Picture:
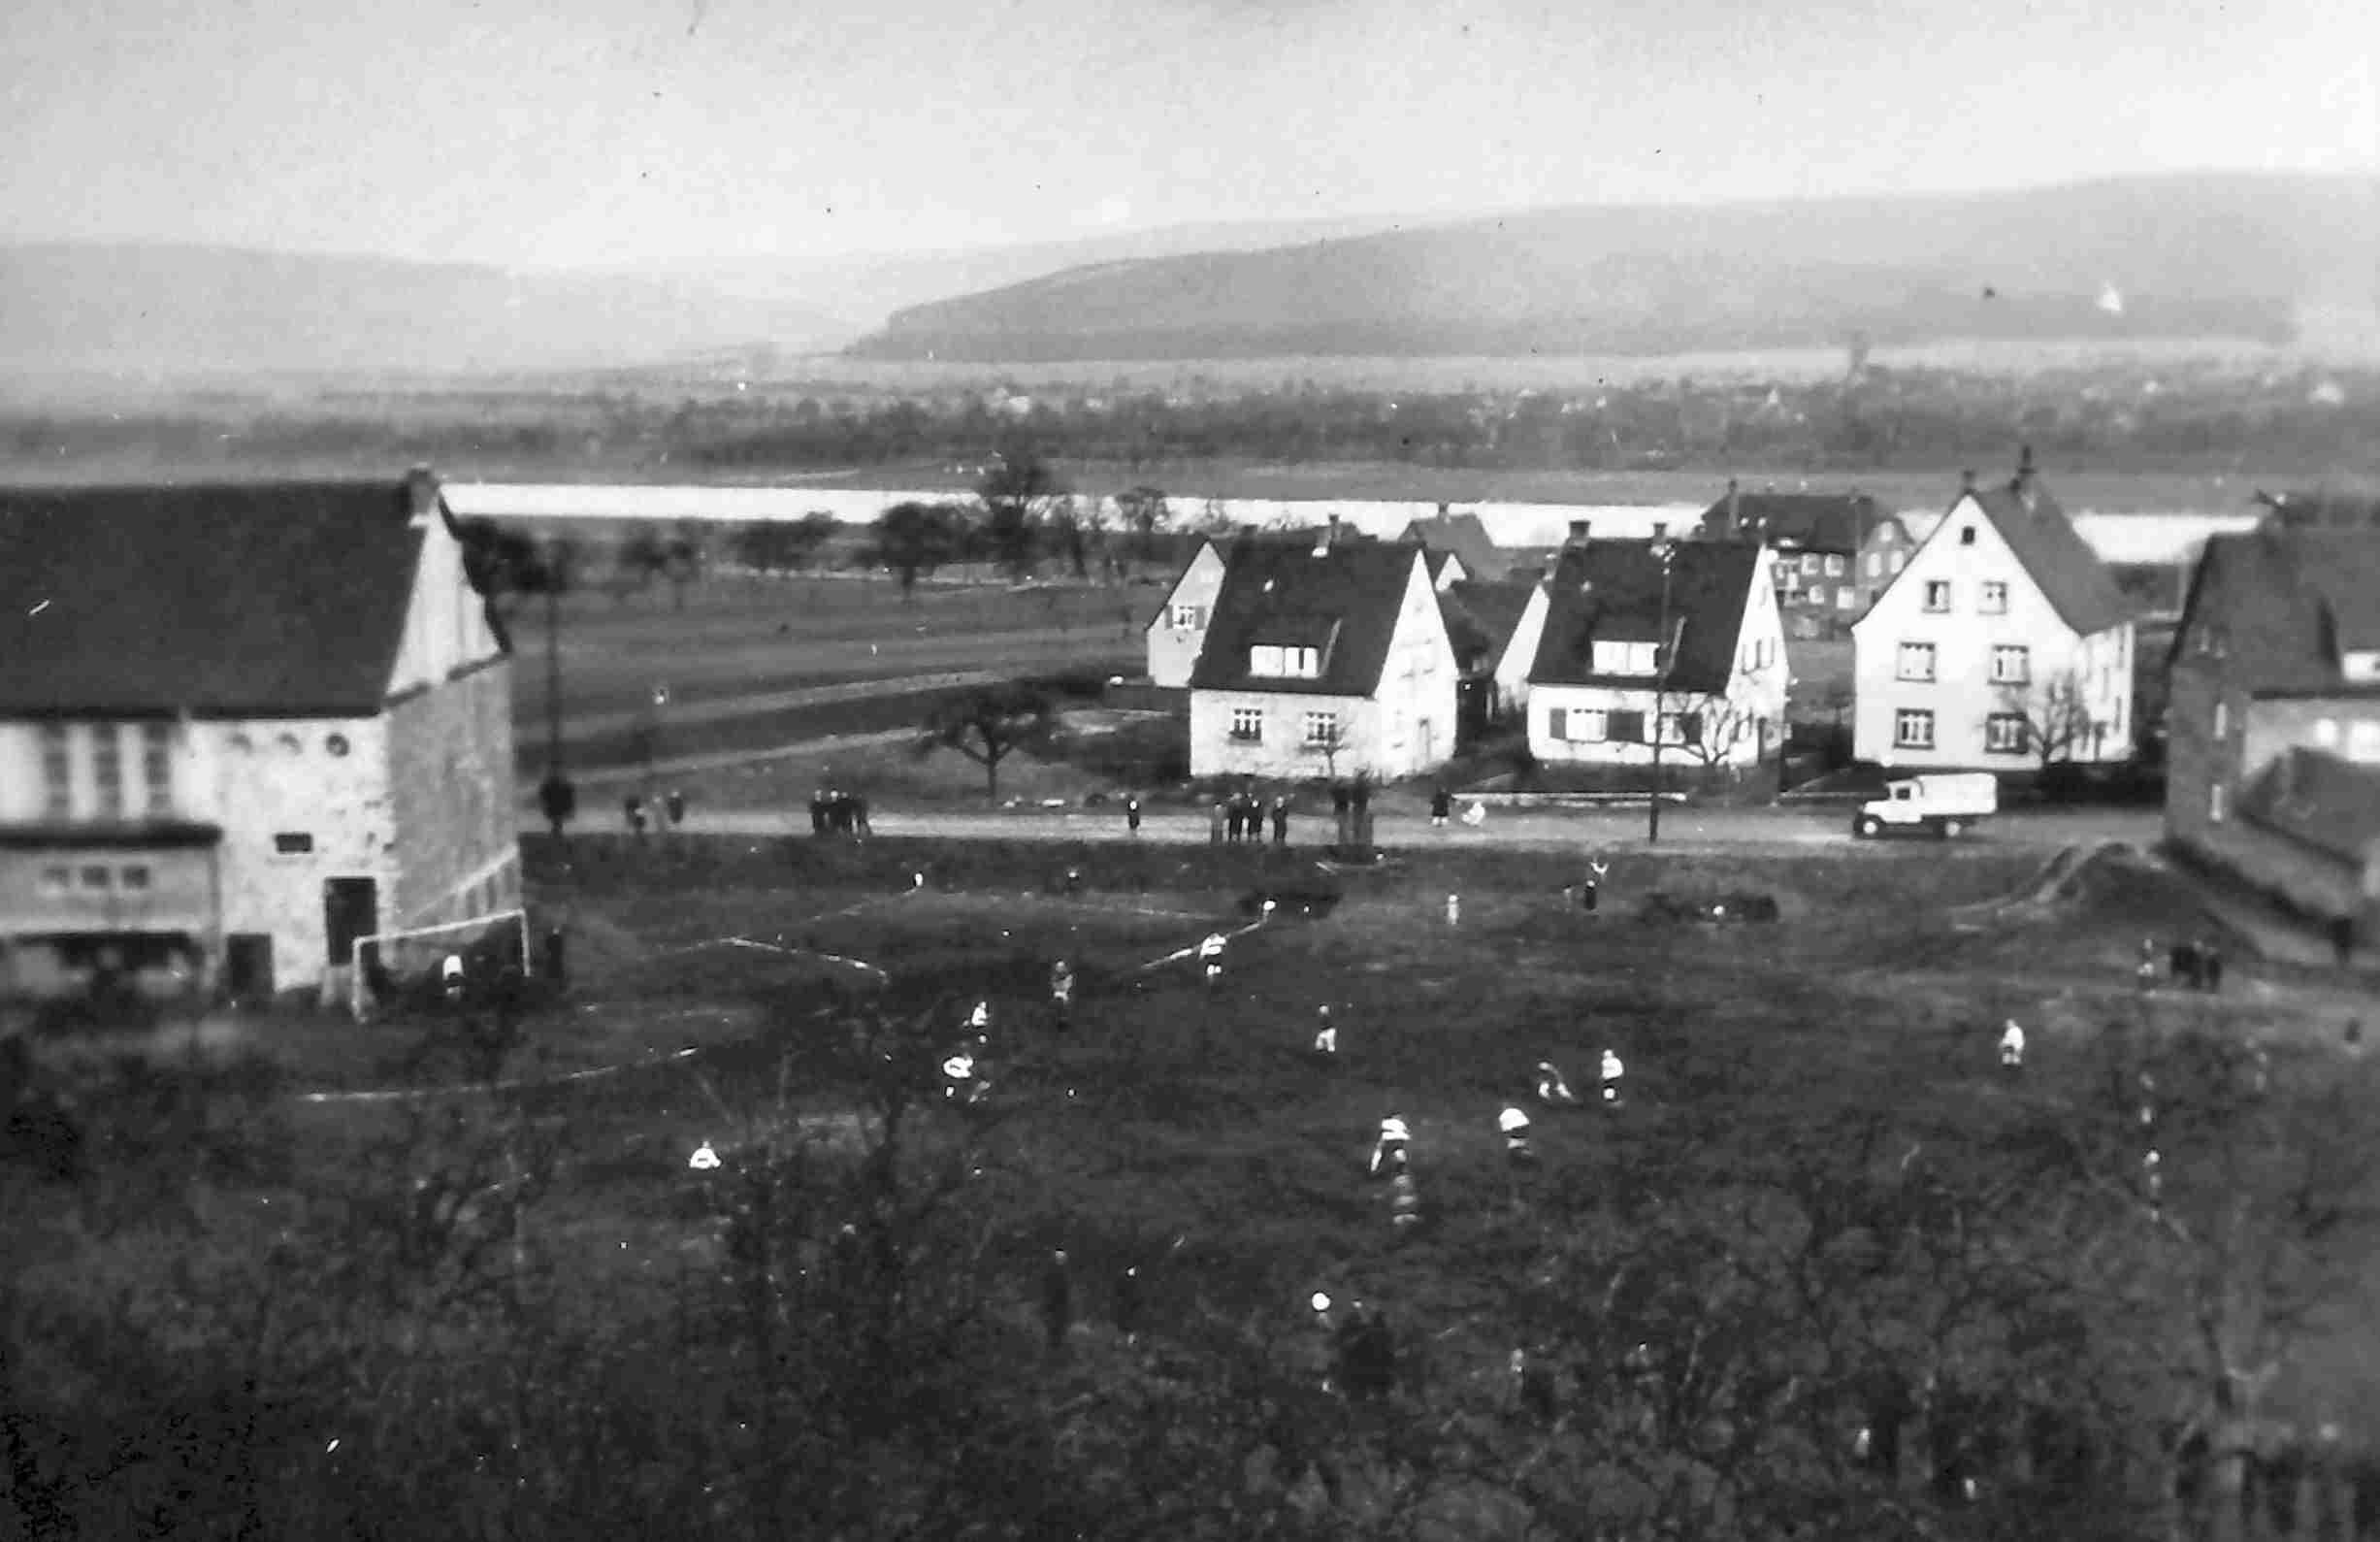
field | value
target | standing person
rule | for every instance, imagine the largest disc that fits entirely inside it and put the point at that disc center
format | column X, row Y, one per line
column 2012, row 1048
column 979, row 1021
column 2145, row 972
column 1441, row 805
column 1127, row 1304
column 1403, row 1196
column 1390, row 1148
column 1514, row 1126
column 1056, row 1301
column 559, row 800
column 1613, row 1071
column 818, row 812
column 675, row 803
column 1214, row 824
column 450, row 978
column 1211, row 954
column 2210, row 966
column 859, row 816
column 1591, row 891
column 1551, row 1090
column 1281, row 819
column 557, row 956
column 1131, row 814
column 1325, row 1033
column 633, row 806
column 1061, row 995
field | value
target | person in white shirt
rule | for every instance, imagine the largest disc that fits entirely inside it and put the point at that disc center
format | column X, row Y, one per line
column 979, row 1021
column 1061, row 993
column 2011, row 1047
column 450, row 977
column 1551, row 1090
column 1515, row 1128
column 1211, row 954
column 1613, row 1071
column 1390, row 1148
column 1326, row 1034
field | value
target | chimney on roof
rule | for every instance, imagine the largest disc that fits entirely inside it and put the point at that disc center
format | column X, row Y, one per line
column 1442, row 510
column 1577, row 532
column 1327, row 538
column 421, row 495
column 2022, row 484
column 1967, row 480
column 1660, row 530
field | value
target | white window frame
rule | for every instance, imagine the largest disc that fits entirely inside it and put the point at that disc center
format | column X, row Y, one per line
column 108, row 769
column 1847, row 598
column 2364, row 741
column 1907, row 725
column 57, row 753
column 2222, row 718
column 2018, row 653
column 1834, row 564
column 1995, row 600
column 1933, row 587
column 1247, row 725
column 1673, row 727
column 1907, row 651
column 1282, row 661
column 1811, row 564
column 1582, row 725
column 1321, row 731
column 1189, row 617
column 1898, row 560
column 2216, row 800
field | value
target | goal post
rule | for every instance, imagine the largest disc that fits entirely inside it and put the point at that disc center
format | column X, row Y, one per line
column 405, row 963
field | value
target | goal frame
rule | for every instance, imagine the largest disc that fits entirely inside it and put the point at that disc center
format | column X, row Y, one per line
column 358, row 990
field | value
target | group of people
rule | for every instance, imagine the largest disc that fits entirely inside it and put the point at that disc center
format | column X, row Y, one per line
column 633, row 808
column 1442, row 807
column 2198, row 965
column 1239, row 819
column 832, row 810
column 1392, row 1149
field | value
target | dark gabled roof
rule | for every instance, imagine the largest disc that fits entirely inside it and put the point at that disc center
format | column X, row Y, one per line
column 2290, row 597
column 2320, row 801
column 1437, row 562
column 1274, row 592
column 1480, row 617
column 2059, row 562
column 279, row 599
column 1466, row 537
column 1611, row 590
column 1837, row 522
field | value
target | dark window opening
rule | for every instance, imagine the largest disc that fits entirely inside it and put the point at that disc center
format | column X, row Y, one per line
column 293, row 844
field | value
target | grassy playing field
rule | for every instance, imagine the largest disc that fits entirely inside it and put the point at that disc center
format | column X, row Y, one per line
column 753, row 664
column 641, row 1367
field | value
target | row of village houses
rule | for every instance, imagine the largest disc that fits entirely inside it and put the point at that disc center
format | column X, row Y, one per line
column 1992, row 638
column 242, row 726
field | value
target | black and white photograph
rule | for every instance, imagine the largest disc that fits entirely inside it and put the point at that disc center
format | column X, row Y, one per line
column 1333, row 771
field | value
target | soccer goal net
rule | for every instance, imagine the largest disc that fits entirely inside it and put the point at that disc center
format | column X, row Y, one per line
column 389, row 969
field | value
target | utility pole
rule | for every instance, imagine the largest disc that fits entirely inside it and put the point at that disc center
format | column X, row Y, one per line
column 553, row 678
column 1663, row 659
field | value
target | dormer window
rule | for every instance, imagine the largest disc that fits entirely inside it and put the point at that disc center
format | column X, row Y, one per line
column 1627, row 658
column 1285, row 663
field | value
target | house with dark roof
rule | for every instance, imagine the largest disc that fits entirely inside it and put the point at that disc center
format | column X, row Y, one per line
column 2003, row 644
column 1835, row 551
column 2274, row 716
column 1324, row 659
column 1645, row 642
column 242, row 726
column 1463, row 537
column 1494, row 628
column 1175, row 633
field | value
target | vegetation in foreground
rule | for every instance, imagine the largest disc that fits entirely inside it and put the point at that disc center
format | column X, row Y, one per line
column 523, row 1315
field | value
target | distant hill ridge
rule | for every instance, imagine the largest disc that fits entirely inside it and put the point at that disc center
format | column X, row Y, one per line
column 2216, row 256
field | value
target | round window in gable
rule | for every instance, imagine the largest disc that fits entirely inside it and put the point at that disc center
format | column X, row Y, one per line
column 337, row 745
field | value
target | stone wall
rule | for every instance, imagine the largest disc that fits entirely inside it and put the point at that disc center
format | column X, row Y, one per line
column 451, row 792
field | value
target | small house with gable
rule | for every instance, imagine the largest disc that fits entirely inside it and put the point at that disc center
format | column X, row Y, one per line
column 1324, row 659
column 1632, row 647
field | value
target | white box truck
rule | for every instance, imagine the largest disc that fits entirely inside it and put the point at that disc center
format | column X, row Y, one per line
column 1940, row 805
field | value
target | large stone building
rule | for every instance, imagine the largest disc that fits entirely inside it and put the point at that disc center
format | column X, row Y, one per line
column 1835, row 552
column 239, row 727
column 2273, row 724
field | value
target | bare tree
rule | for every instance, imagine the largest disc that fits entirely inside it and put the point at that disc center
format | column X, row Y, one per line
column 1712, row 726
column 2053, row 714
column 1144, row 514
column 1018, row 494
column 988, row 725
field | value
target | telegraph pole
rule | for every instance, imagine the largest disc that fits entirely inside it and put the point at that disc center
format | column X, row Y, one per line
column 1663, row 660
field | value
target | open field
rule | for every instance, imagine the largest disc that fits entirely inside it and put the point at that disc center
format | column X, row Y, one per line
column 1772, row 1073
column 753, row 662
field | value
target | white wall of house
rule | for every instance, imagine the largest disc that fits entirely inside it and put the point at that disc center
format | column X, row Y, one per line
column 1281, row 735
column 1452, row 574
column 1512, row 670
column 446, row 623
column 297, row 811
column 1420, row 686
column 1173, row 645
column 1571, row 724
column 1996, row 655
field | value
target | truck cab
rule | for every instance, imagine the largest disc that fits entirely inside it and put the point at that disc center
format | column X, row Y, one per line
column 1946, row 806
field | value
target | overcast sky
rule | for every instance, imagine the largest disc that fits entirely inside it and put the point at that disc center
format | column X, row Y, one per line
column 571, row 132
